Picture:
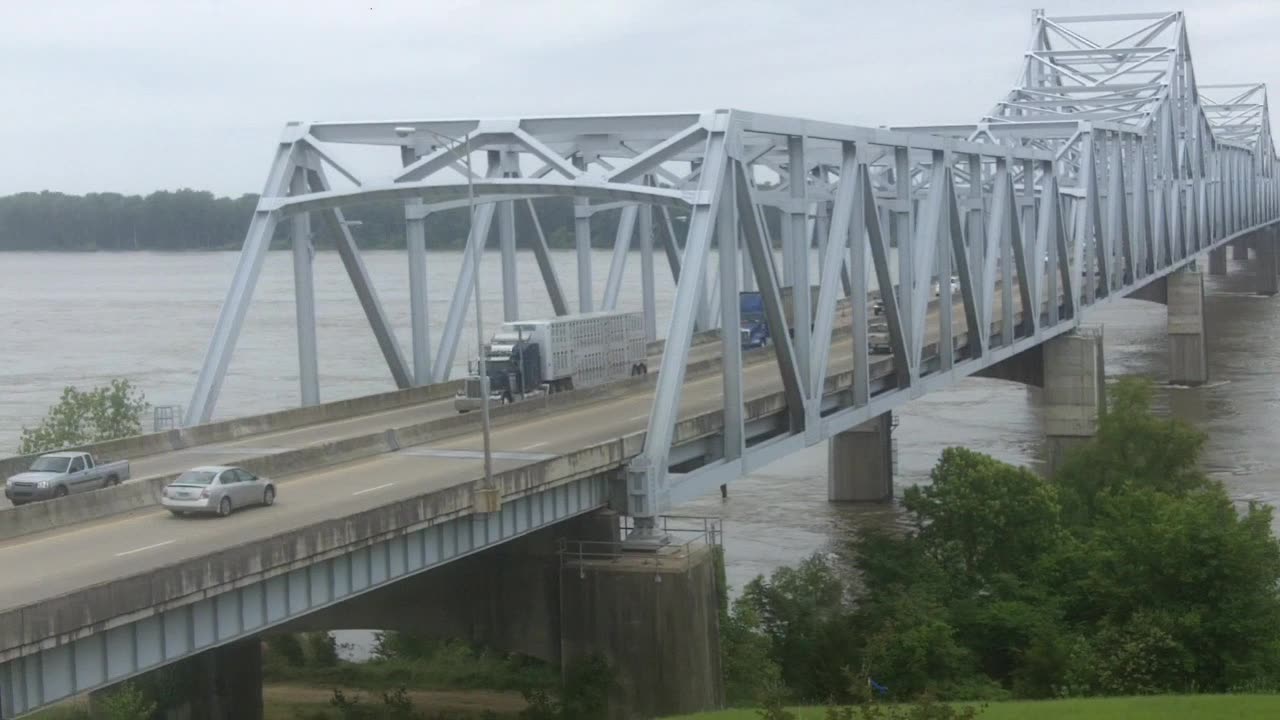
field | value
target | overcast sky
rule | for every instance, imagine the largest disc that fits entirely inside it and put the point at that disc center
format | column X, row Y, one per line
column 134, row 95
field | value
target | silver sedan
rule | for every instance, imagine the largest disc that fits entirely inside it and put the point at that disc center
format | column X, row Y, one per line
column 216, row 489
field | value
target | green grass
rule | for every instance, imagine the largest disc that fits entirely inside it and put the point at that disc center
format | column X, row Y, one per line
column 1162, row 707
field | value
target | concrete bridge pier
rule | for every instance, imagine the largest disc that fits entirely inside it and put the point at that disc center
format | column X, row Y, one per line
column 860, row 462
column 1268, row 276
column 1240, row 250
column 1074, row 392
column 1188, row 348
column 564, row 594
column 224, row 683
column 1218, row 261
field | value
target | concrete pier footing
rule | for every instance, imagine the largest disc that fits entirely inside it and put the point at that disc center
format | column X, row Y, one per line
column 1188, row 348
column 860, row 462
column 1240, row 250
column 654, row 618
column 1218, row 261
column 1074, row 391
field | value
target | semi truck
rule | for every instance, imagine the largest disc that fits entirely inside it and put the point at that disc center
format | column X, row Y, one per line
column 530, row 358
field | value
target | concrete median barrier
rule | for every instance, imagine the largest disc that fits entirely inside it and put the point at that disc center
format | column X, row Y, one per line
column 170, row 440
column 145, row 492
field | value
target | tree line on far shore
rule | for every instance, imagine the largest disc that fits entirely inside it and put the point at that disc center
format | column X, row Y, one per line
column 198, row 220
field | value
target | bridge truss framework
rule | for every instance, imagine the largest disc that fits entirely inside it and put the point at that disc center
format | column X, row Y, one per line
column 1105, row 168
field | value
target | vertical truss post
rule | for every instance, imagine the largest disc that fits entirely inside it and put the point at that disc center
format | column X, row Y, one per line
column 858, row 289
column 415, row 222
column 1142, row 212
column 582, row 241
column 1091, row 236
column 925, row 253
column 902, row 234
column 257, row 241
column 1118, row 221
column 305, row 297
column 507, row 243
column 942, row 242
column 734, row 438
column 646, row 475
column 801, row 302
column 647, row 291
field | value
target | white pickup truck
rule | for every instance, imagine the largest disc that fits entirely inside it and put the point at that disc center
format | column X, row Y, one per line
column 62, row 473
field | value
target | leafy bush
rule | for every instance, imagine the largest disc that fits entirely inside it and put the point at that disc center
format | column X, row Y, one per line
column 83, row 417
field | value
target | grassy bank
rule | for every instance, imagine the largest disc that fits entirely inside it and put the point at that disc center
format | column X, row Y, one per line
column 1163, row 707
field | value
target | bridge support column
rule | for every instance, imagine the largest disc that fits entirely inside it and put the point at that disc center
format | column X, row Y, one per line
column 1267, row 273
column 1218, row 261
column 1188, row 350
column 860, row 462
column 654, row 618
column 1074, row 392
column 1240, row 250
column 224, row 683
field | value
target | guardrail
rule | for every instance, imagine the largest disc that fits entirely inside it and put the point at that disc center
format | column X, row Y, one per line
column 690, row 535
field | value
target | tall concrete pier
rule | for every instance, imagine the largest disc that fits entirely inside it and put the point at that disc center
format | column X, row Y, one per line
column 1218, row 261
column 860, row 462
column 1074, row 391
column 1188, row 348
column 1266, row 269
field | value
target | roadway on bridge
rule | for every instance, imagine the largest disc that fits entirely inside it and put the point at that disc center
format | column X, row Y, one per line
column 79, row 556
column 279, row 441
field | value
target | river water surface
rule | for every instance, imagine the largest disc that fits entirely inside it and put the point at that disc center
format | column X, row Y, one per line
column 85, row 318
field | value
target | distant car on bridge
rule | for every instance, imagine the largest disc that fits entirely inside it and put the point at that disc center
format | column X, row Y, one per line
column 216, row 489
column 61, row 473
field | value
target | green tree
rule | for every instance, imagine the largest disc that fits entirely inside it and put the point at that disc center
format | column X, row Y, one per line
column 803, row 612
column 1131, row 571
column 127, row 702
column 83, row 417
column 322, row 648
column 981, row 517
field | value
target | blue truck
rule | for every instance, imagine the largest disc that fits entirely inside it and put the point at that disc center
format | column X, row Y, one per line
column 752, row 323
column 754, row 328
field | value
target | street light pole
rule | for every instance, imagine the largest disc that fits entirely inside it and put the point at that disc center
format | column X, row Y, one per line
column 482, row 367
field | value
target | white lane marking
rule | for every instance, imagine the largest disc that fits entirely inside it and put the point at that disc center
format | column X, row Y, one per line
column 640, row 417
column 145, row 547
column 535, row 445
column 369, row 490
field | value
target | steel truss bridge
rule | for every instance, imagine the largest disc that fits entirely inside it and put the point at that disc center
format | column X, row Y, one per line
column 1106, row 167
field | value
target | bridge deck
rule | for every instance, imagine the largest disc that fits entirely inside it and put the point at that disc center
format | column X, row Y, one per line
column 90, row 553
